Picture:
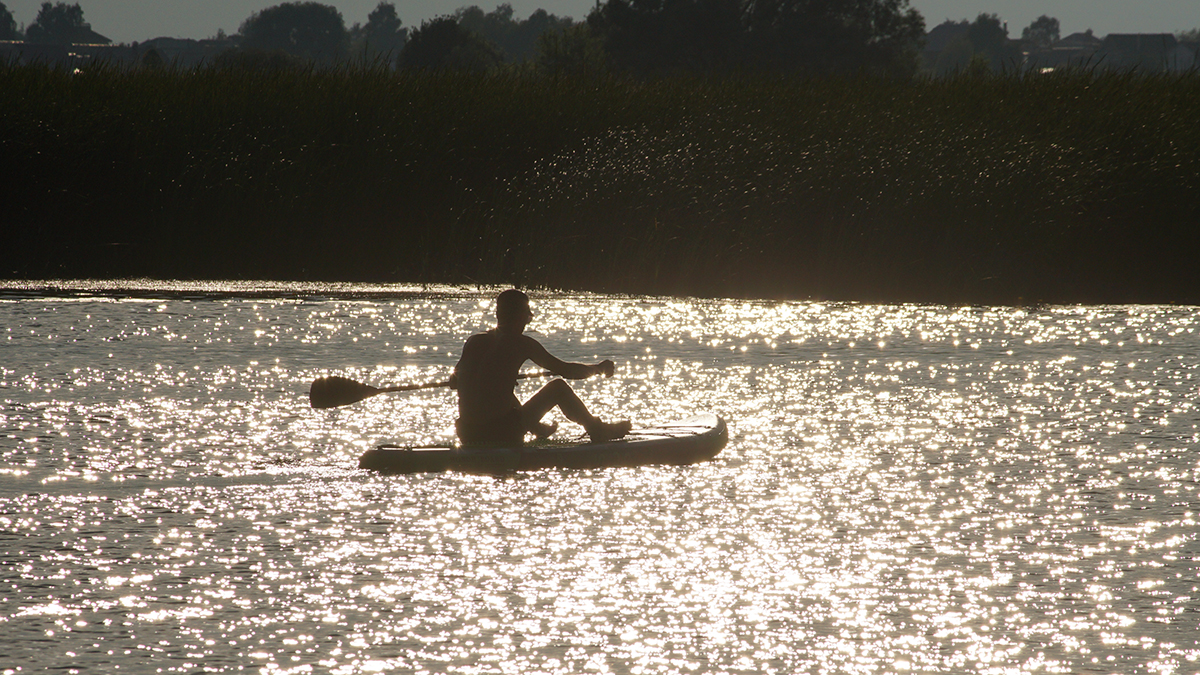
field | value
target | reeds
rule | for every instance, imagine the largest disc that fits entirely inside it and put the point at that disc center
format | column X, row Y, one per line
column 1072, row 186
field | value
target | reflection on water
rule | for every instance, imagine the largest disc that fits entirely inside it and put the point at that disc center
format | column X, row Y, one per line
column 907, row 488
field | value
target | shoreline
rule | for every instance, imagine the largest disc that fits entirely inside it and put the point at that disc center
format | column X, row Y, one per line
column 210, row 289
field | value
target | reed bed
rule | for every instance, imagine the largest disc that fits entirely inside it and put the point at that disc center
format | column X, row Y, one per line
column 1068, row 187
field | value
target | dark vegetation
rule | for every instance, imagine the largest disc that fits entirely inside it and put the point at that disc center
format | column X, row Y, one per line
column 444, row 44
column 782, row 149
column 306, row 30
column 8, row 25
column 983, row 188
column 808, row 36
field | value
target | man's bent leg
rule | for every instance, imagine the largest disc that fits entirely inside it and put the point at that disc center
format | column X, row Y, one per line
column 557, row 393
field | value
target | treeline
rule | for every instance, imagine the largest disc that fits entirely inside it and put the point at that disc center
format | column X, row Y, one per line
column 1068, row 187
column 696, row 36
column 55, row 23
column 625, row 36
column 984, row 43
column 469, row 38
column 637, row 36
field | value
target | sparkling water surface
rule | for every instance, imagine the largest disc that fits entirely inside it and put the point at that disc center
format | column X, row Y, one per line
column 906, row 489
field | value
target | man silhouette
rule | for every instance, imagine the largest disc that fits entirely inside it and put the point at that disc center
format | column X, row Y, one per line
column 486, row 375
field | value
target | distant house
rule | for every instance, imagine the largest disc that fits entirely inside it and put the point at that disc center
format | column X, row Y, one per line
column 64, row 56
column 1075, row 50
column 180, row 52
column 1080, row 41
column 87, row 36
column 948, row 49
column 1145, row 52
column 83, row 43
column 20, row 53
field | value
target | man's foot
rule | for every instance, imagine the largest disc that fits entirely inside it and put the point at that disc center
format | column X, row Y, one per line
column 609, row 431
column 543, row 431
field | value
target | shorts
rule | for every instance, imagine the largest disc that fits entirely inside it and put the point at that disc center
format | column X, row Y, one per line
column 506, row 430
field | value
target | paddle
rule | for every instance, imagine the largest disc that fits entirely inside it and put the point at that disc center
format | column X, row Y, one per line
column 335, row 391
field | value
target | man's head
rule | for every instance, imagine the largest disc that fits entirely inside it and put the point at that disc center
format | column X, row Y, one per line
column 512, row 307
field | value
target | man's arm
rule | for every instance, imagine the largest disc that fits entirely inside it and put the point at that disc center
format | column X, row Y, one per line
column 572, row 371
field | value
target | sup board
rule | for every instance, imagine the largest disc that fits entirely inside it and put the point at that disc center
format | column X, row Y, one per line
column 695, row 439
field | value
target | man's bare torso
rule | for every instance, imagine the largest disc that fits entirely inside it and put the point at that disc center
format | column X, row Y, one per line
column 487, row 374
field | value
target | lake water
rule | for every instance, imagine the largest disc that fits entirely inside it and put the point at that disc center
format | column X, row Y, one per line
column 906, row 489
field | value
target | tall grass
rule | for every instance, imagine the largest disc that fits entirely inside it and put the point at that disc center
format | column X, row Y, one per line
column 1073, row 186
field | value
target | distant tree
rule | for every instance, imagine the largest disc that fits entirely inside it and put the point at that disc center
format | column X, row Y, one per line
column 955, row 58
column 61, row 23
column 306, row 30
column 989, row 37
column 573, row 50
column 987, row 33
column 518, row 40
column 384, row 34
column 443, row 44
column 646, row 36
column 1192, row 35
column 816, row 36
column 8, row 25
column 978, row 66
column 152, row 60
column 836, row 35
column 493, row 26
column 1043, row 32
column 525, row 41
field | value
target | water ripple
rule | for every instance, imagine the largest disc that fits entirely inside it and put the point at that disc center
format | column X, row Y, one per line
column 907, row 488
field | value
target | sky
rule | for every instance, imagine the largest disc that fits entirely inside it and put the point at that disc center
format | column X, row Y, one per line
column 137, row 20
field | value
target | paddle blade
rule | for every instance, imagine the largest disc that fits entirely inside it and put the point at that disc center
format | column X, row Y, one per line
column 334, row 391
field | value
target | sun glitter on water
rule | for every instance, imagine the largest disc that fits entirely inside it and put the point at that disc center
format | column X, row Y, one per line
column 907, row 488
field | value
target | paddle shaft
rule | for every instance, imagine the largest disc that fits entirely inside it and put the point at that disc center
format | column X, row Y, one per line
column 446, row 383
column 336, row 391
